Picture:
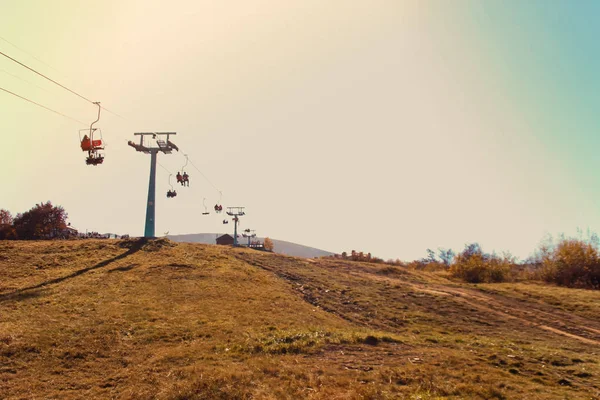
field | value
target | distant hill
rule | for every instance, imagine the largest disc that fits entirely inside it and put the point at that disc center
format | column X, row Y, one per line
column 279, row 246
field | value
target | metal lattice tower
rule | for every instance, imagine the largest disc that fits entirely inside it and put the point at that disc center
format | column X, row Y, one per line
column 235, row 212
column 250, row 234
column 165, row 146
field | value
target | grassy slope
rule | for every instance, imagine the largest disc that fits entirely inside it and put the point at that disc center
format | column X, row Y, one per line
column 129, row 319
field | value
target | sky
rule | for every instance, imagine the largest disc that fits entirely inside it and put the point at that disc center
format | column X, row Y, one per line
column 382, row 126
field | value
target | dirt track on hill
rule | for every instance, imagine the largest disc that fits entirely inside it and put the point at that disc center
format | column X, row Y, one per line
column 516, row 314
column 529, row 313
column 525, row 312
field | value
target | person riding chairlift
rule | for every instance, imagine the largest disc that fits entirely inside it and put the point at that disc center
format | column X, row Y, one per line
column 179, row 178
column 94, row 159
column 86, row 145
column 186, row 179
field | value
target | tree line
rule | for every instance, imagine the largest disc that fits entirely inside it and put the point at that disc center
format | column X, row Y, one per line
column 42, row 221
column 565, row 261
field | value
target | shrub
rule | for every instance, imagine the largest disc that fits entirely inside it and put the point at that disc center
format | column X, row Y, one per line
column 475, row 266
column 572, row 263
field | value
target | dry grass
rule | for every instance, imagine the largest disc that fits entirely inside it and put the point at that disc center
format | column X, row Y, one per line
column 145, row 320
column 583, row 302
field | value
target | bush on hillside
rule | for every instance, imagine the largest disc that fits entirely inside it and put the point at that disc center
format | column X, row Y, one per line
column 474, row 266
column 430, row 263
column 426, row 265
column 572, row 262
column 359, row 256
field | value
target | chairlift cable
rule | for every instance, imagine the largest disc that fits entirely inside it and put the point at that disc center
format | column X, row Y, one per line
column 204, row 176
column 24, row 80
column 162, row 166
column 55, row 82
column 44, row 107
column 28, row 53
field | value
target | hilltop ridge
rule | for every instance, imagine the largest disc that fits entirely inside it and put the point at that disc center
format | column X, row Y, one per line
column 280, row 246
column 152, row 319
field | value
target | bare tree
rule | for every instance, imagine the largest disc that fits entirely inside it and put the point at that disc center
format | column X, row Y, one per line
column 430, row 256
column 446, row 255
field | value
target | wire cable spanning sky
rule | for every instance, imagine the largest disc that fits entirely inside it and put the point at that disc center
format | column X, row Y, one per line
column 42, row 106
column 26, row 52
column 53, row 81
column 384, row 126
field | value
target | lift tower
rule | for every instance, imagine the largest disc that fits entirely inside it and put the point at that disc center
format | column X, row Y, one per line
column 250, row 234
column 235, row 212
column 165, row 146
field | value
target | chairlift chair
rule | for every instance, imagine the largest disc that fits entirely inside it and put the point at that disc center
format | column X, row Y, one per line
column 171, row 193
column 185, row 177
column 219, row 206
column 92, row 142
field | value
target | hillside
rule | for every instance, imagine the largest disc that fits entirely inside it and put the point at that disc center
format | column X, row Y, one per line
column 280, row 246
column 137, row 319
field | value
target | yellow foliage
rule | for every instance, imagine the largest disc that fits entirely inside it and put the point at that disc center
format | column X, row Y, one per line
column 268, row 244
column 573, row 262
column 480, row 267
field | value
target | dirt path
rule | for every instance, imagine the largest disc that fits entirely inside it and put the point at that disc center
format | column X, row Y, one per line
column 526, row 313
column 522, row 313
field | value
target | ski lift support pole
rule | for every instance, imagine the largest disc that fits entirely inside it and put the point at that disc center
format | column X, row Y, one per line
column 235, row 212
column 166, row 147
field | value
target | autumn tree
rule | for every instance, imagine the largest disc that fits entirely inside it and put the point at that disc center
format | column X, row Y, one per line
column 5, row 217
column 7, row 231
column 43, row 221
column 268, row 244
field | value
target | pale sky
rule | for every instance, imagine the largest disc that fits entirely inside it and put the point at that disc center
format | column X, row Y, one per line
column 382, row 126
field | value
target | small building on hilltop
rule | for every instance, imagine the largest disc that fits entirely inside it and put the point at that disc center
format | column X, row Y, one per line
column 225, row 240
